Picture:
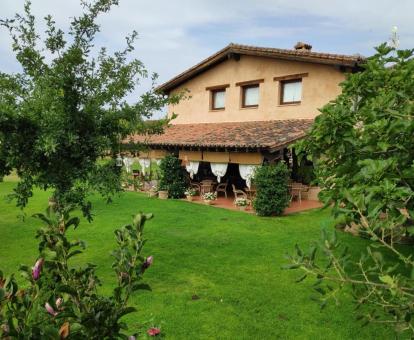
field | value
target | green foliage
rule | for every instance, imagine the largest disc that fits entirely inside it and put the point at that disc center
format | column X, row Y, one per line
column 272, row 189
column 306, row 174
column 62, row 301
column 67, row 107
column 172, row 177
column 362, row 141
column 362, row 146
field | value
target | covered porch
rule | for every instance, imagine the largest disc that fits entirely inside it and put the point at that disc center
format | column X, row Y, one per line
column 221, row 158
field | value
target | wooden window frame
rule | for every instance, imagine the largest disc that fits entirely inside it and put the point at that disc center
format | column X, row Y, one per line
column 243, row 95
column 212, row 92
column 282, row 90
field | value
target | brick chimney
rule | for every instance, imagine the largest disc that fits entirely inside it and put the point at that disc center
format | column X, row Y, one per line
column 301, row 46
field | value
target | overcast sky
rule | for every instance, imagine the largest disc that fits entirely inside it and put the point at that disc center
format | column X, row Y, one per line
column 176, row 34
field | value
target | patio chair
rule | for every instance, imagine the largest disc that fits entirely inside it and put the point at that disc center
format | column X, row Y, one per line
column 238, row 193
column 196, row 186
column 206, row 187
column 296, row 191
column 222, row 187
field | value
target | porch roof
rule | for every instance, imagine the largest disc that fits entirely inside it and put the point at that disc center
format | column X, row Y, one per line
column 270, row 135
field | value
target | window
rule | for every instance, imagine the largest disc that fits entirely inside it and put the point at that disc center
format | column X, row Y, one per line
column 250, row 95
column 291, row 91
column 218, row 99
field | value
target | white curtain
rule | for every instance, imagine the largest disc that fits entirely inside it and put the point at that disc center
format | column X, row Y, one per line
column 192, row 168
column 128, row 163
column 247, row 173
column 251, row 96
column 219, row 170
column 292, row 92
column 144, row 163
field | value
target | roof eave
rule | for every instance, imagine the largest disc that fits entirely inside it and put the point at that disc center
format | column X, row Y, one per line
column 232, row 49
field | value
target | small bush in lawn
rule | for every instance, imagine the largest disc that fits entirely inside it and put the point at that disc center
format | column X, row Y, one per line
column 173, row 177
column 272, row 189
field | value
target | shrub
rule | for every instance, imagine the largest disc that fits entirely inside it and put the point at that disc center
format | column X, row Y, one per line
column 61, row 300
column 272, row 189
column 241, row 202
column 173, row 177
column 209, row 196
column 190, row 192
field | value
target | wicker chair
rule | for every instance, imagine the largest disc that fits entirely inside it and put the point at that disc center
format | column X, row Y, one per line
column 238, row 193
column 222, row 187
column 196, row 186
column 206, row 187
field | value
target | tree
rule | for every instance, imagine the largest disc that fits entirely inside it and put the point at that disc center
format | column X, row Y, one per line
column 362, row 146
column 172, row 177
column 272, row 197
column 64, row 111
column 67, row 108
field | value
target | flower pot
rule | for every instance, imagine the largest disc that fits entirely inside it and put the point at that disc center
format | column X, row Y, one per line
column 163, row 194
column 208, row 202
column 189, row 198
column 242, row 207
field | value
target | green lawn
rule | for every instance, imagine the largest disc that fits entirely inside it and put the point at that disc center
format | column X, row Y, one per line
column 230, row 260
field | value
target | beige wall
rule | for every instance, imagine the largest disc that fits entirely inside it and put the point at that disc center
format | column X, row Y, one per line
column 318, row 88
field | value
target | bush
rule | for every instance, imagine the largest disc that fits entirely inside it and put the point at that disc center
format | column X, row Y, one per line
column 272, row 189
column 173, row 178
column 61, row 300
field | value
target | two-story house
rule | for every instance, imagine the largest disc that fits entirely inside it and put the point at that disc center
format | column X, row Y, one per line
column 246, row 105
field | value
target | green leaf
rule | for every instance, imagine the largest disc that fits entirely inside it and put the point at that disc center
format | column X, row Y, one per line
column 73, row 253
column 303, row 277
column 125, row 311
column 142, row 286
column 387, row 279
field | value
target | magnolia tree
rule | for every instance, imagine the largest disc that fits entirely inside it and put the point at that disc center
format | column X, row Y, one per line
column 67, row 107
column 65, row 110
column 362, row 145
column 60, row 300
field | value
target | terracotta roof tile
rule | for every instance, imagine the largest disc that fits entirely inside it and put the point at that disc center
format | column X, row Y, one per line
column 278, row 53
column 257, row 134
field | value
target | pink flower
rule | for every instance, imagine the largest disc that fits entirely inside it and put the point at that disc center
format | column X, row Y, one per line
column 37, row 269
column 153, row 331
column 147, row 263
column 50, row 309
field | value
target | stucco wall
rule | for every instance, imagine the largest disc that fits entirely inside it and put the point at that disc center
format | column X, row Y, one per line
column 318, row 88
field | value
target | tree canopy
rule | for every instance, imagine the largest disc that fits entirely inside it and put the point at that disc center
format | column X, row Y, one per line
column 362, row 145
column 68, row 107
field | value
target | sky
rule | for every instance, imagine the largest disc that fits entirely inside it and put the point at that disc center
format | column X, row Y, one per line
column 176, row 34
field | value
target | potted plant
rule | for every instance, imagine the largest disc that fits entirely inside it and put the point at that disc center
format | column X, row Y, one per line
column 241, row 202
column 163, row 192
column 190, row 193
column 209, row 197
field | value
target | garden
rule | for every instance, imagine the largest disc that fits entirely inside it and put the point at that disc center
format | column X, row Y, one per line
column 216, row 273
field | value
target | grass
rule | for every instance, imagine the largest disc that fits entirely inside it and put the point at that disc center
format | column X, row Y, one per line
column 231, row 260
